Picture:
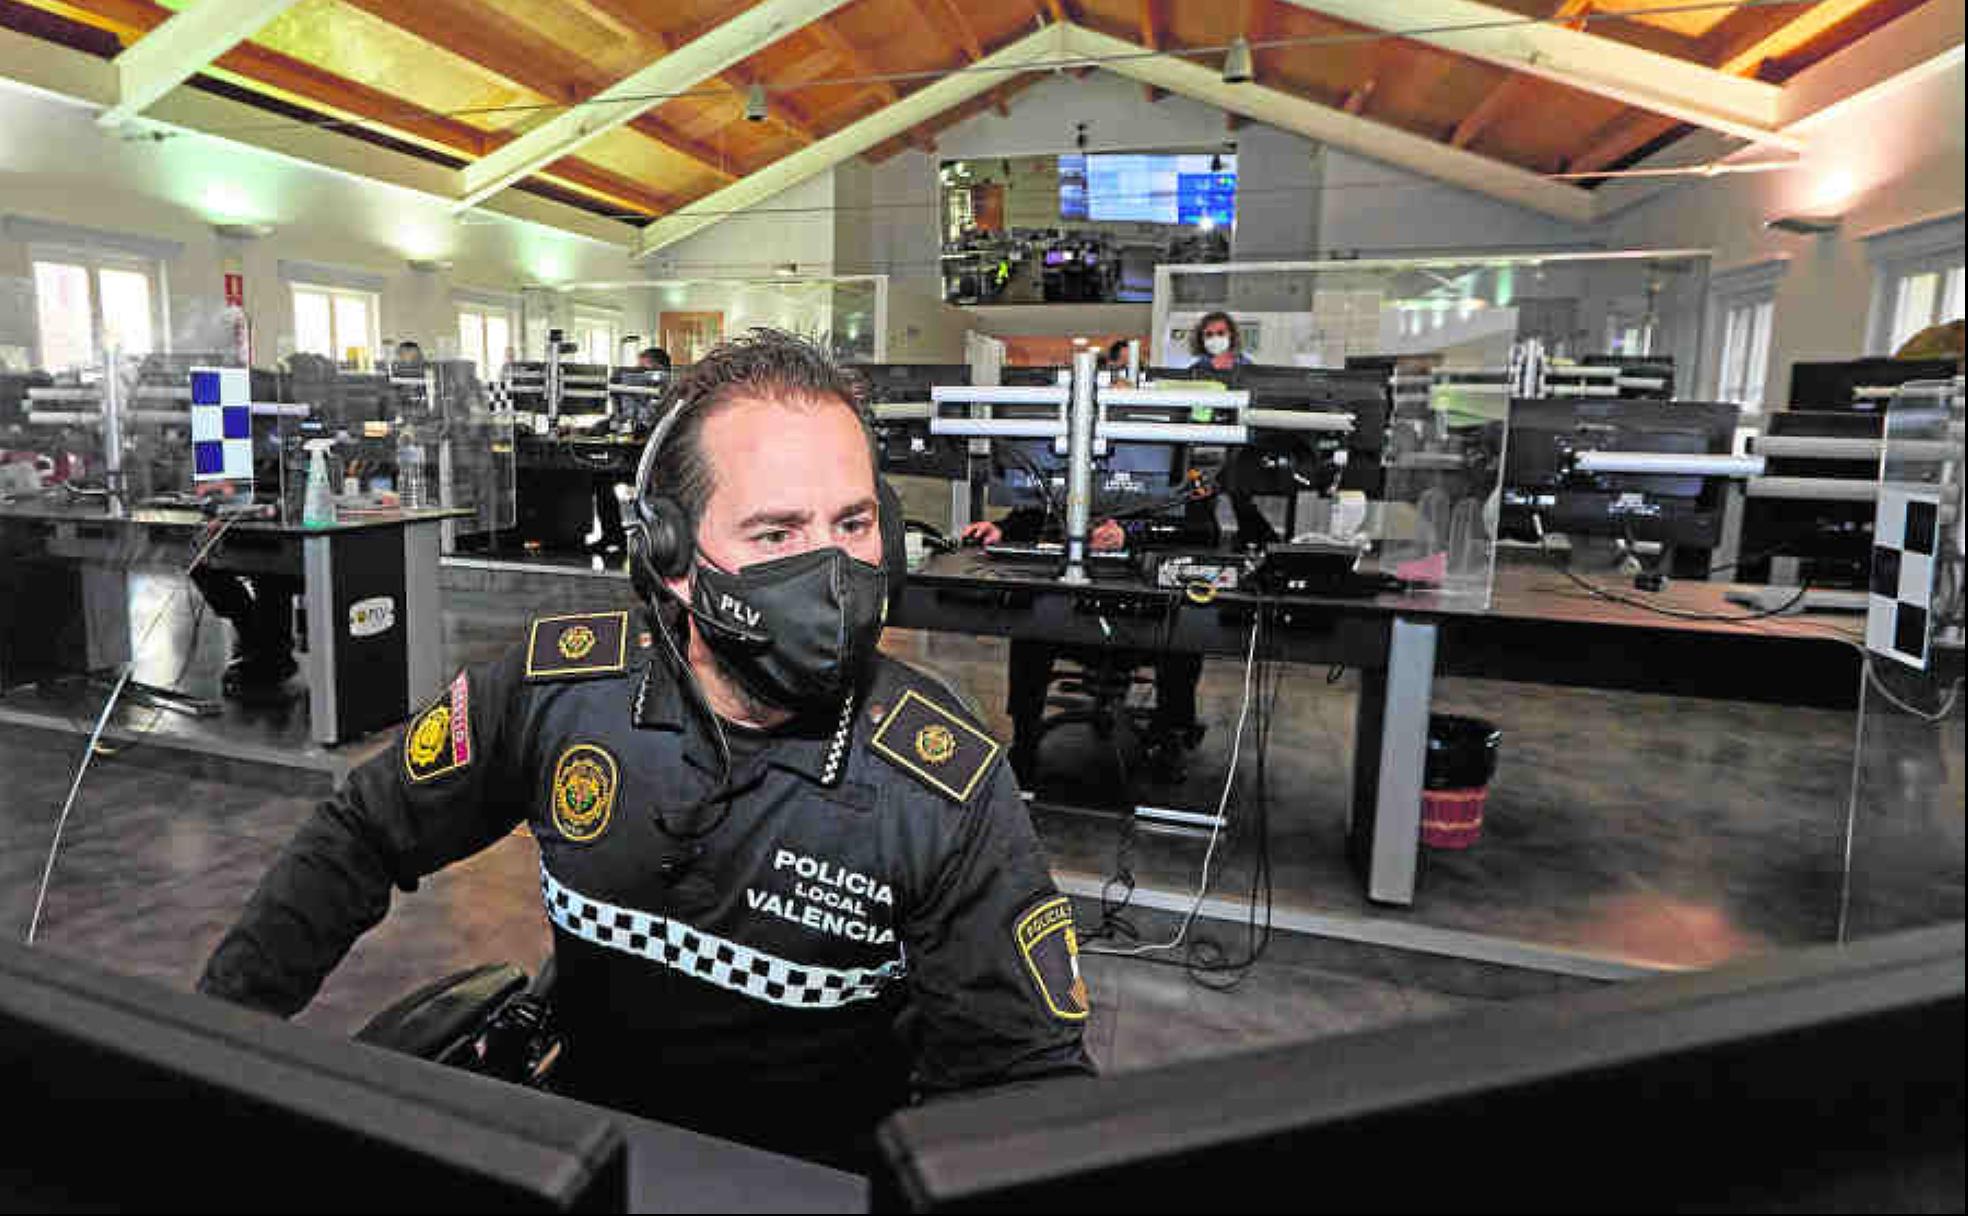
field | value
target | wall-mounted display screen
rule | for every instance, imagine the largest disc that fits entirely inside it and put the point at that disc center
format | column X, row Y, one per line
column 1149, row 188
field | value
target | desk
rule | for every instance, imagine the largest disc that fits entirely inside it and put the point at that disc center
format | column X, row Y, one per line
column 1541, row 627
column 371, row 635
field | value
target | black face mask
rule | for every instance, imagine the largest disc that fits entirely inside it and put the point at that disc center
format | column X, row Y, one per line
column 797, row 631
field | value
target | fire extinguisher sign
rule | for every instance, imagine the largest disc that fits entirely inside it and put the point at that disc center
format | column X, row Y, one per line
column 235, row 290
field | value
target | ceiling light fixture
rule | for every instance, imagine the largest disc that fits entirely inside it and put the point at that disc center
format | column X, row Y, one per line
column 243, row 231
column 1237, row 67
column 1804, row 225
column 755, row 103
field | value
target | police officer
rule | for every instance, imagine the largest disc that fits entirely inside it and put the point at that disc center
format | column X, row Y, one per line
column 790, row 880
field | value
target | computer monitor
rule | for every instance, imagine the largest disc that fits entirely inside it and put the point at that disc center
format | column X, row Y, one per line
column 1132, row 478
column 127, row 1094
column 1539, row 479
column 1843, row 385
column 1821, row 1079
column 894, row 382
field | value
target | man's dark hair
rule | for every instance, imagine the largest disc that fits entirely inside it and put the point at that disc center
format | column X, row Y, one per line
column 1209, row 319
column 766, row 364
column 655, row 356
column 407, row 348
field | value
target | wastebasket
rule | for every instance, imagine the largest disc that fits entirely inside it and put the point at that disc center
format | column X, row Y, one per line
column 1462, row 758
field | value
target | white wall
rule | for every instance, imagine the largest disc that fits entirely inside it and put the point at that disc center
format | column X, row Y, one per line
column 1901, row 154
column 57, row 166
column 1374, row 209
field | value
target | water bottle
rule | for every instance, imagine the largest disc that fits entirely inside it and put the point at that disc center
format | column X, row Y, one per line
column 409, row 469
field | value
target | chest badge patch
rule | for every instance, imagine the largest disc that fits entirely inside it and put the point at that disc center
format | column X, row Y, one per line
column 934, row 746
column 439, row 740
column 1051, row 953
column 584, row 785
column 575, row 642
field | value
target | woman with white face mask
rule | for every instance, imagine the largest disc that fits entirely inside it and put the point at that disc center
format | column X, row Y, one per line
column 1216, row 343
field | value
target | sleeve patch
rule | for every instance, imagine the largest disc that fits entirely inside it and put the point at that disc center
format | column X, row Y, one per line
column 935, row 746
column 439, row 741
column 1051, row 953
column 582, row 644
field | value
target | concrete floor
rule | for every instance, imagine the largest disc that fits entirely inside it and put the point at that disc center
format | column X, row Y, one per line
column 1646, row 830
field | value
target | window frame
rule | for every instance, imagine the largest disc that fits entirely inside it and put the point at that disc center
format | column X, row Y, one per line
column 1898, row 254
column 485, row 311
column 93, row 261
column 587, row 318
column 373, row 301
column 1730, row 293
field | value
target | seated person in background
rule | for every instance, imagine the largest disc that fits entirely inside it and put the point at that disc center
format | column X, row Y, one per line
column 1217, row 343
column 1115, row 360
column 608, row 507
column 791, row 886
column 1172, row 732
column 408, row 352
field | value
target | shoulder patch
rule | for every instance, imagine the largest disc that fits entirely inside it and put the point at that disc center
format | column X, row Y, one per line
column 580, row 644
column 1051, row 954
column 439, row 741
column 935, row 746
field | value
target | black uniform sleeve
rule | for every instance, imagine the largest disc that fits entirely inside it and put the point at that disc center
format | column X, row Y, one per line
column 442, row 791
column 994, row 980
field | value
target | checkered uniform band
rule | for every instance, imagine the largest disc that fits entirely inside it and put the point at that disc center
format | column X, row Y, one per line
column 708, row 957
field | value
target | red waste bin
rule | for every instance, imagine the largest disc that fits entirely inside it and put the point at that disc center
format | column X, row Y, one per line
column 1462, row 758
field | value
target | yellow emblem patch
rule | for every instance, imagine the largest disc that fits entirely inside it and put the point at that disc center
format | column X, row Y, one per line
column 440, row 740
column 575, row 642
column 584, row 783
column 432, row 733
column 935, row 744
column 1052, row 956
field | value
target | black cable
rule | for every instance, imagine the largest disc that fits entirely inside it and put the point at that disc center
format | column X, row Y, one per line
column 1682, row 613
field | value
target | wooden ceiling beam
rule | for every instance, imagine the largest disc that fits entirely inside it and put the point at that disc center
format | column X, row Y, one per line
column 1331, row 124
column 1151, row 37
column 966, row 33
column 627, row 19
column 341, row 98
column 1746, row 60
column 178, row 49
column 1666, row 85
column 1036, row 51
column 1628, row 133
column 1508, row 91
column 1358, row 96
column 858, row 65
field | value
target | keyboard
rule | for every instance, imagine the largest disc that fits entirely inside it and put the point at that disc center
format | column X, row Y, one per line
column 1050, row 553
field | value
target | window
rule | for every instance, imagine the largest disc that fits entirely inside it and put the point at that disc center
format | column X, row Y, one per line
column 336, row 322
column 1742, row 318
column 1916, row 280
column 86, row 304
column 1746, row 352
column 594, row 334
column 485, row 338
column 1923, row 298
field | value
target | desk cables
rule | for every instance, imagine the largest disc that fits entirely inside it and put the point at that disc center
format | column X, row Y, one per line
column 217, row 533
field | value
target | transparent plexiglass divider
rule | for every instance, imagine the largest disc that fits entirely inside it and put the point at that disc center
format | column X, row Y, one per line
column 1455, row 311
column 1435, row 527
column 469, row 451
column 1904, row 854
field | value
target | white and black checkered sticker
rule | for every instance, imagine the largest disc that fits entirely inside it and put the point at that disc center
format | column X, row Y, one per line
column 1905, row 534
column 708, row 957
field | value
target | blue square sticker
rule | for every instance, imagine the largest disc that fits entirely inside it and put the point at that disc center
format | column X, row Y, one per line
column 205, row 388
column 210, row 457
column 238, row 421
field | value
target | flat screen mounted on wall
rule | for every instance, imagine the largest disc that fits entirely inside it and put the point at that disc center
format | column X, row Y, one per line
column 1151, row 188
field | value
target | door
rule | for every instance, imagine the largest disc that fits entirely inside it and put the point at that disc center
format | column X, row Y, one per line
column 689, row 336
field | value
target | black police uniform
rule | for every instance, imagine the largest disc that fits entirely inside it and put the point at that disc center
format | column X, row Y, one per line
column 871, row 918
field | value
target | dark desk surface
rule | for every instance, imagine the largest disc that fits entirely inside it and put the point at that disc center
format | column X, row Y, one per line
column 1521, row 592
column 51, row 509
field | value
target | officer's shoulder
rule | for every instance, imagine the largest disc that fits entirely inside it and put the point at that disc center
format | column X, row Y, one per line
column 578, row 646
column 922, row 727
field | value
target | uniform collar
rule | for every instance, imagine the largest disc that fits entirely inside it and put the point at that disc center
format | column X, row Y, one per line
column 815, row 747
